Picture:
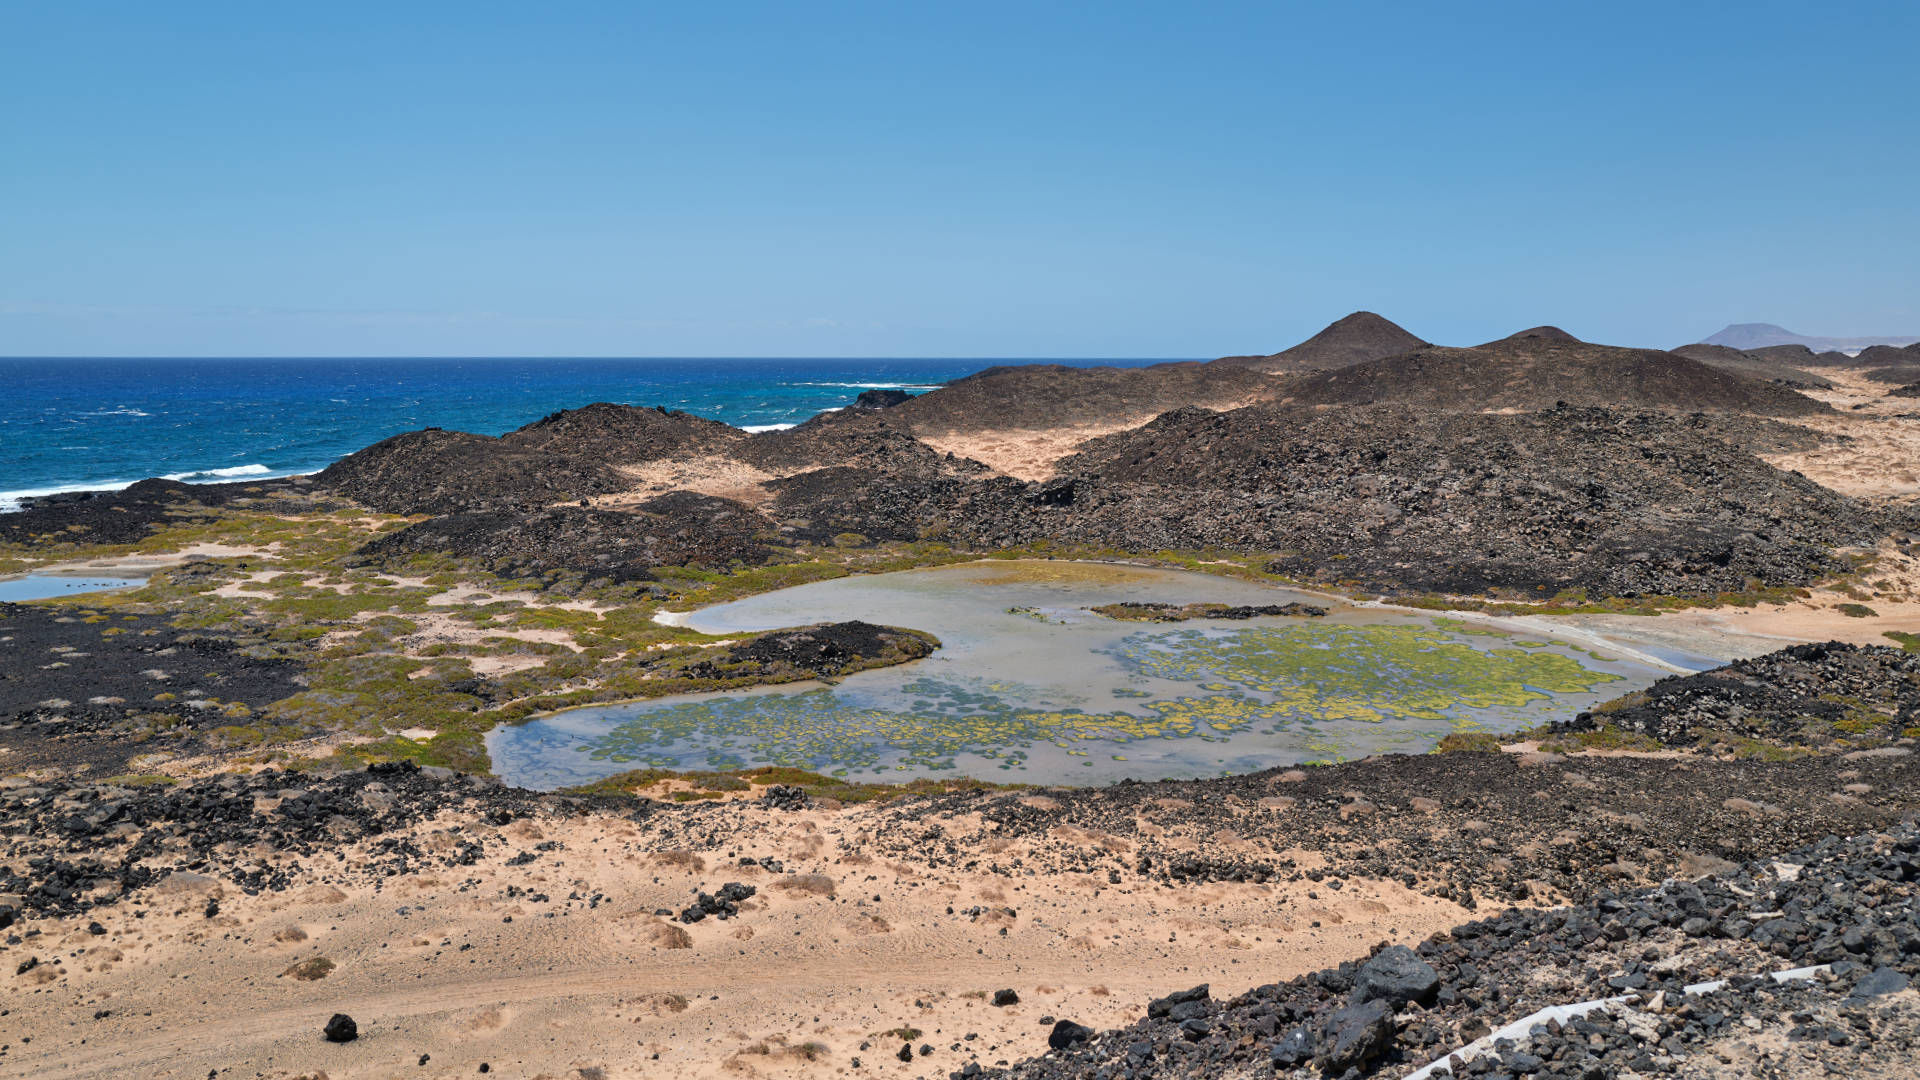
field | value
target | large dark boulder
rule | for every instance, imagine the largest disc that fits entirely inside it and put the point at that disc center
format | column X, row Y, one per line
column 1354, row 1036
column 1397, row 976
column 1066, row 1033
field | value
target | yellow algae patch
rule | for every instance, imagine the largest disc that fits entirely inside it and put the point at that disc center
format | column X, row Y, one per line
column 1316, row 680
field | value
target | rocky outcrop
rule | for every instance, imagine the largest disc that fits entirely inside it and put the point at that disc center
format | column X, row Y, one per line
column 881, row 398
column 826, row 650
column 1818, row 695
column 451, row 472
column 1150, row 612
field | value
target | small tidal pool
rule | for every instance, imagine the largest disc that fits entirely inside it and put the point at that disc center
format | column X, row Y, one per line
column 1030, row 685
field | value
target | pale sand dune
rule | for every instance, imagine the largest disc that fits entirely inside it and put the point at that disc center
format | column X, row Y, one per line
column 430, row 964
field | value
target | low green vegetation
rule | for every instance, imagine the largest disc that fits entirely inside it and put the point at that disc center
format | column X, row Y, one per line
column 1604, row 738
column 710, row 784
column 1469, row 742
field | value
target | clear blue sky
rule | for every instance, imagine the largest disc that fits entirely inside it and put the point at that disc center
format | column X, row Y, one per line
column 963, row 179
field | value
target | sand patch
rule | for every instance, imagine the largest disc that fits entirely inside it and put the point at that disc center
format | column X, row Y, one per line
column 540, row 966
column 716, row 474
column 1882, row 458
column 1025, row 453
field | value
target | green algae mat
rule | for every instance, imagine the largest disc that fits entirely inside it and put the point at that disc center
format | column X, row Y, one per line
column 1030, row 685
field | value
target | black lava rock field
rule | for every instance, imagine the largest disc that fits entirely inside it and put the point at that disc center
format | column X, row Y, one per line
column 603, row 546
column 1396, row 499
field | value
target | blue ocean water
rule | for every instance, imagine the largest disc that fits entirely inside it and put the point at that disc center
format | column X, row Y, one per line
column 79, row 424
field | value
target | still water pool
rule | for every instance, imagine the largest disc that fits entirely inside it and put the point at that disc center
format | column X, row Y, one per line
column 47, row 586
column 1031, row 685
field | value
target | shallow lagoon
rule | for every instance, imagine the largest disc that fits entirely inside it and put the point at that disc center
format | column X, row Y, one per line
column 47, row 586
column 1030, row 685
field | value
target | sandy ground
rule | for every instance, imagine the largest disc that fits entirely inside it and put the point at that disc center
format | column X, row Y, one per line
column 1024, row 453
column 713, row 475
column 1883, row 458
column 1735, row 633
column 561, row 969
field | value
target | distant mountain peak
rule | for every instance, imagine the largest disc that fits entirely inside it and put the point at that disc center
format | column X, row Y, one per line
column 1747, row 336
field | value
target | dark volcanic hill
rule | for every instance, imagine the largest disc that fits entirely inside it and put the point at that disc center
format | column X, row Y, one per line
column 1753, row 367
column 676, row 529
column 1395, row 498
column 448, row 472
column 1888, row 354
column 1536, row 369
column 1359, row 337
column 1888, row 364
column 623, row 434
column 1534, row 333
column 1043, row 396
column 1797, row 356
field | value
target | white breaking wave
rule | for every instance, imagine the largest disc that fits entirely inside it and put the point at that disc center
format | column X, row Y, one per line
column 10, row 500
column 875, row 385
column 121, row 411
column 757, row 428
column 199, row 475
